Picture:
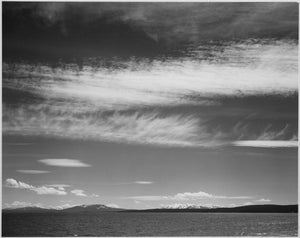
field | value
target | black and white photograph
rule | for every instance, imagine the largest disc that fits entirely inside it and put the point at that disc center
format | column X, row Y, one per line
column 134, row 119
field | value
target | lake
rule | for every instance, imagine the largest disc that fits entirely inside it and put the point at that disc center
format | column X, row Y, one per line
column 150, row 224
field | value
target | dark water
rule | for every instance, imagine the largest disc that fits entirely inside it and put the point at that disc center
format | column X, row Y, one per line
column 150, row 224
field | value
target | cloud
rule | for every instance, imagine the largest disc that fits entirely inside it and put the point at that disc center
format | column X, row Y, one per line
column 259, row 67
column 248, row 203
column 64, row 162
column 148, row 127
column 187, row 196
column 143, row 182
column 42, row 190
column 116, row 104
column 273, row 135
column 46, row 190
column 60, row 207
column 59, row 186
column 24, row 171
column 79, row 192
column 205, row 20
column 141, row 128
column 263, row 200
column 19, row 204
column 12, row 183
column 266, row 143
column 113, row 205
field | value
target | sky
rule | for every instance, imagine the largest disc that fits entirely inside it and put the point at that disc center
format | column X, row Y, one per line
column 102, row 105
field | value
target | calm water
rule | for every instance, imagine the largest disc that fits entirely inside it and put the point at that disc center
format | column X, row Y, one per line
column 150, row 224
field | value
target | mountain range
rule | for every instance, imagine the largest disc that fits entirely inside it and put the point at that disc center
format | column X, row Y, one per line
column 97, row 208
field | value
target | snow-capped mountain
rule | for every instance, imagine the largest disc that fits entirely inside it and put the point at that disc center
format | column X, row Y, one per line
column 188, row 206
column 93, row 207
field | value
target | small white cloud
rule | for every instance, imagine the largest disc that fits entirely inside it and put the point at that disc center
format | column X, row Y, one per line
column 266, row 143
column 42, row 190
column 24, row 171
column 263, row 200
column 46, row 190
column 143, row 182
column 79, row 192
column 248, row 203
column 64, row 162
column 12, row 183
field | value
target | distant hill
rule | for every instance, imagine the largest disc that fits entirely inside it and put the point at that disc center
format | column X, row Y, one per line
column 242, row 209
column 75, row 209
column 98, row 208
column 27, row 210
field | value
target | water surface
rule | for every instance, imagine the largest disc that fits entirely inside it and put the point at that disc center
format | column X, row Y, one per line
column 150, row 224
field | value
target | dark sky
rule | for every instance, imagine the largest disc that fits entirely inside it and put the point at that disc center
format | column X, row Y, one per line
column 142, row 105
column 67, row 30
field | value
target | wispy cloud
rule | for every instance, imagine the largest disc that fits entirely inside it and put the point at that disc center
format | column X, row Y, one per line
column 109, row 104
column 42, row 190
column 79, row 192
column 259, row 68
column 187, row 196
column 266, row 143
column 25, row 171
column 151, row 127
column 140, row 128
column 64, row 163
